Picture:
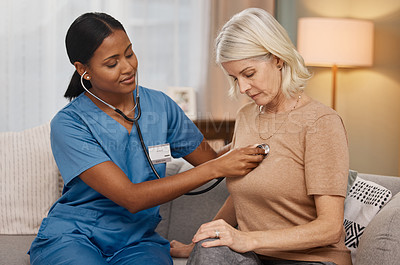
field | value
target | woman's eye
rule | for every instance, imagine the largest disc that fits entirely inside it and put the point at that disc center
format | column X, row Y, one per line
column 129, row 55
column 249, row 75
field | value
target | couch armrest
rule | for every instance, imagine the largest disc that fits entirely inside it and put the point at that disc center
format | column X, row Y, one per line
column 389, row 182
column 380, row 242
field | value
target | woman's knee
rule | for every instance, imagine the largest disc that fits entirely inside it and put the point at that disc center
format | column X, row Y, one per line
column 201, row 255
column 220, row 255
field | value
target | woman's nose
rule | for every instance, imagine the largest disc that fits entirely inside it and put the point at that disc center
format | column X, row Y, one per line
column 243, row 86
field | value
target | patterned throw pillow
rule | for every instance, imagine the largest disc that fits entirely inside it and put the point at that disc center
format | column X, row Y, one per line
column 363, row 202
column 29, row 179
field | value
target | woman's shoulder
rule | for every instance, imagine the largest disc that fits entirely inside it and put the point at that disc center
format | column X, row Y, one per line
column 317, row 109
column 318, row 114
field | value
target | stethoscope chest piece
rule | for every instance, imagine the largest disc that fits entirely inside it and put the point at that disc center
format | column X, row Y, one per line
column 265, row 147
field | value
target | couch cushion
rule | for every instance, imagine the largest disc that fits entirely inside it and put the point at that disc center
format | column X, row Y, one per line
column 13, row 249
column 352, row 177
column 29, row 182
column 380, row 243
column 179, row 261
column 189, row 212
column 174, row 167
column 363, row 202
column 183, row 216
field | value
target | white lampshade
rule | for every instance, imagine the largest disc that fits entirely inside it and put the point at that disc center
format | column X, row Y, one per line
column 335, row 41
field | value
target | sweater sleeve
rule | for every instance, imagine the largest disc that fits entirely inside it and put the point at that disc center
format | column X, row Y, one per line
column 326, row 157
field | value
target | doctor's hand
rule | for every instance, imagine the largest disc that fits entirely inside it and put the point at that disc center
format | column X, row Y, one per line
column 239, row 161
column 180, row 250
column 224, row 235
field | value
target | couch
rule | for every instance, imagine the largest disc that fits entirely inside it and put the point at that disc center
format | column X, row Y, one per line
column 30, row 183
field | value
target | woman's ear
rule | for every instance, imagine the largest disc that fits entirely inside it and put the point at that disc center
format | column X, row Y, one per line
column 80, row 68
column 278, row 62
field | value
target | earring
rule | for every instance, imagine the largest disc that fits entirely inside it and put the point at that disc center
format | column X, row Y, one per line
column 82, row 76
column 88, row 77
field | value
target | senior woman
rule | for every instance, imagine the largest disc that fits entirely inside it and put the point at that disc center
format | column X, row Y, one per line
column 289, row 210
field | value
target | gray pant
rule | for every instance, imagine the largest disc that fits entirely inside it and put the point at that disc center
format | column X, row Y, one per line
column 225, row 256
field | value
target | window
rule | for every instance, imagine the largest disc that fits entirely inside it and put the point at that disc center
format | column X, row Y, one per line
column 170, row 39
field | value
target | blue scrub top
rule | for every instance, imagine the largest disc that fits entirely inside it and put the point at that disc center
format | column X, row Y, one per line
column 82, row 136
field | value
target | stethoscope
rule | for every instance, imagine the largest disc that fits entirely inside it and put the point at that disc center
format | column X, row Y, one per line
column 135, row 121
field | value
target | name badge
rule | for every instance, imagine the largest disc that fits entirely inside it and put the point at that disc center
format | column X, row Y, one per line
column 160, row 153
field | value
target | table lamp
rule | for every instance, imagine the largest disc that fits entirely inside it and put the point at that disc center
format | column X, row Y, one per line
column 335, row 42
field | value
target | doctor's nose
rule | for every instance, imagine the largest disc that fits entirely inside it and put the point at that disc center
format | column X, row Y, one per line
column 127, row 66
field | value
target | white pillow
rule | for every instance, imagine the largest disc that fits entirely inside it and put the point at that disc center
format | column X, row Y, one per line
column 362, row 203
column 29, row 179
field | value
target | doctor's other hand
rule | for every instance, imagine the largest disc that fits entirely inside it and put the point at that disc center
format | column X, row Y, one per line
column 239, row 161
column 180, row 250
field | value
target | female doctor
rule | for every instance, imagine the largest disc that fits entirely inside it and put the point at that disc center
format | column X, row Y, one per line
column 109, row 208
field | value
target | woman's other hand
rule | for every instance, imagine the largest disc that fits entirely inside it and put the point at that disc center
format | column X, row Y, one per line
column 180, row 250
column 225, row 235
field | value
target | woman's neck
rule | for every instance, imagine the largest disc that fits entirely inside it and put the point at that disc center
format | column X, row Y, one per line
column 284, row 104
column 280, row 104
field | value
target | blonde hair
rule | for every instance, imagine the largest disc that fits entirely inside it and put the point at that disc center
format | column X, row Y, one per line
column 256, row 33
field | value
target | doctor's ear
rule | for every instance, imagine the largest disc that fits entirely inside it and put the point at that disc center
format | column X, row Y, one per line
column 80, row 68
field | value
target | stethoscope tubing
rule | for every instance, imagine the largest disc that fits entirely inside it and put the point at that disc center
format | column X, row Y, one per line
column 135, row 120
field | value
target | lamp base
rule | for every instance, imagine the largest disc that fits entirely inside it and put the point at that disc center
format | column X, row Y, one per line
column 334, row 71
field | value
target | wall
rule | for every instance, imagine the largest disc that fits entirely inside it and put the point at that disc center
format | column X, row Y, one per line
column 367, row 99
column 214, row 102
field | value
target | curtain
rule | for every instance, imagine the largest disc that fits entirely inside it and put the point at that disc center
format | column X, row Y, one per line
column 170, row 39
column 215, row 104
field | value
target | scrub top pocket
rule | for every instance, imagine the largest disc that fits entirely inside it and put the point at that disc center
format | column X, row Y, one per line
column 66, row 219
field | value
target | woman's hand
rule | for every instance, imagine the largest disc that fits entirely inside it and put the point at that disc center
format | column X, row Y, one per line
column 239, row 161
column 325, row 230
column 180, row 250
column 225, row 235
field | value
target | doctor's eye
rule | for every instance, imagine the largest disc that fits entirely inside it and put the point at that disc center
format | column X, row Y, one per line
column 112, row 65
